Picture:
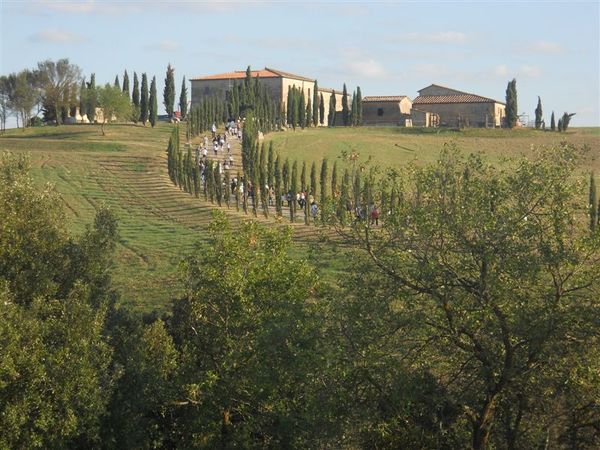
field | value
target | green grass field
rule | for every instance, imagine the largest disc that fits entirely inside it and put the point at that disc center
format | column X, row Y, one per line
column 394, row 147
column 159, row 224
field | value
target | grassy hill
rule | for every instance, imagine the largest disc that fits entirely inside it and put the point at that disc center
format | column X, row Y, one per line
column 126, row 169
column 398, row 146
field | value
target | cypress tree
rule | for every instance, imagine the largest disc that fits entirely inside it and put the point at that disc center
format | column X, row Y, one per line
column 552, row 122
column 218, row 183
column 237, row 192
column 323, row 181
column 302, row 110
column 345, row 110
column 144, row 100
column 354, row 111
column 295, row 104
column 183, row 101
column 309, row 119
column 359, row 110
column 277, row 180
column 315, row 105
column 135, row 99
column 270, row 163
column 560, row 125
column 303, row 177
column 321, row 110
column 357, row 190
column 169, row 91
column 566, row 119
column 82, row 99
column 285, row 176
column 226, row 188
column 92, row 99
column 538, row 114
column 117, row 82
column 126, row 84
column 344, row 198
column 256, row 188
column 153, row 103
column 313, row 179
column 263, row 177
column 593, row 203
column 512, row 113
column 334, row 181
column 293, row 191
column 332, row 105
column 290, row 106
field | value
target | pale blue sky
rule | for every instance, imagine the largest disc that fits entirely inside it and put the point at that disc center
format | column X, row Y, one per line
column 386, row 48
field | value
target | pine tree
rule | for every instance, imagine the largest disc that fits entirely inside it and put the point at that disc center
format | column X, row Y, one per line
column 135, row 98
column 334, row 181
column 82, row 99
column 313, row 179
column 593, row 204
column 359, row 106
column 277, row 180
column 183, row 101
column 144, row 100
column 92, row 99
column 153, row 103
column 323, row 181
column 354, row 111
column 345, row 109
column 512, row 113
column 321, row 110
column 538, row 114
column 332, row 105
column 169, row 91
column 552, row 122
column 270, row 163
column 126, row 84
column 293, row 190
column 315, row 105
column 117, row 82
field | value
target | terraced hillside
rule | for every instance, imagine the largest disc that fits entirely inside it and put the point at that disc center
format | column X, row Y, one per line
column 127, row 171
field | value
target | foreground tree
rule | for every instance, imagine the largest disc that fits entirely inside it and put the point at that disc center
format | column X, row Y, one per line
column 500, row 269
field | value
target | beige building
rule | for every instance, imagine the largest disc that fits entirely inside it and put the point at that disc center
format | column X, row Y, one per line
column 386, row 110
column 277, row 82
column 457, row 109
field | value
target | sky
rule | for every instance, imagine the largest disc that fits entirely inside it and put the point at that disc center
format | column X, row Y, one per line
column 552, row 48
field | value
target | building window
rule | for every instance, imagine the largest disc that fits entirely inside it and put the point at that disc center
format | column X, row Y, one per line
column 380, row 112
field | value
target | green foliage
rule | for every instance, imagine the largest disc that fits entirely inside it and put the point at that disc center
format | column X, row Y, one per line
column 359, row 107
column 135, row 99
column 552, row 122
column 512, row 113
column 593, row 204
column 539, row 116
column 183, row 101
column 114, row 103
column 324, row 181
column 126, row 84
column 566, row 119
column 332, row 112
column 91, row 96
column 321, row 110
column 153, row 104
column 345, row 108
column 315, row 105
column 169, row 90
column 144, row 105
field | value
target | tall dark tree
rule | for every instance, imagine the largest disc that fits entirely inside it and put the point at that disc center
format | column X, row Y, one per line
column 332, row 106
column 315, row 105
column 566, row 120
column 293, row 190
column 354, row 111
column 323, row 181
column 512, row 114
column 313, row 179
column 153, row 103
column 321, row 110
column 126, row 84
column 144, row 100
column 334, row 181
column 169, row 91
column 278, row 185
column 345, row 107
column 270, row 163
column 183, row 101
column 117, row 83
column 135, row 99
column 302, row 110
column 538, row 114
column 359, row 106
column 552, row 122
column 309, row 110
column 82, row 98
column 91, row 96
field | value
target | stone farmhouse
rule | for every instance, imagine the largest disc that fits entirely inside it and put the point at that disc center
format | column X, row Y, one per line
column 277, row 82
column 435, row 106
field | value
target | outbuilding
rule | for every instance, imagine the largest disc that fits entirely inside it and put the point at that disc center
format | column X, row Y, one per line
column 386, row 110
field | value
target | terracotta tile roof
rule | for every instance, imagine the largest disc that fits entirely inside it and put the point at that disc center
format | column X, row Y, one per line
column 384, row 98
column 288, row 75
column 459, row 98
column 239, row 74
